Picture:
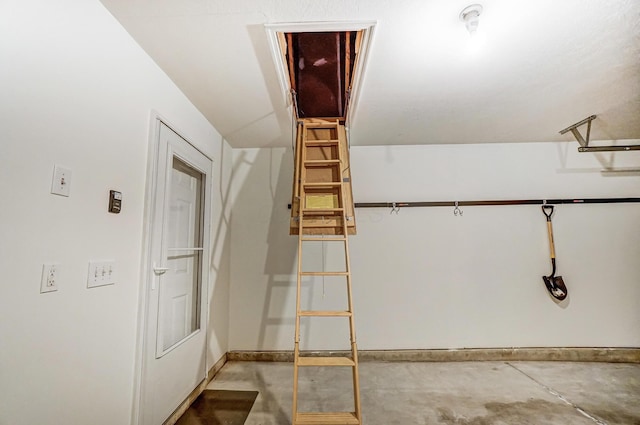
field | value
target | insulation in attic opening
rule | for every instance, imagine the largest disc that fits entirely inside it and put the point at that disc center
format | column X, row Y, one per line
column 320, row 68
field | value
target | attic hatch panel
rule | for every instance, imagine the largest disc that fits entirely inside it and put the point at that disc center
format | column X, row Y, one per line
column 320, row 68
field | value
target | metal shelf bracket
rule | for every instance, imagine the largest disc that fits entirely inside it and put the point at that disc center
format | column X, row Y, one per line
column 584, row 142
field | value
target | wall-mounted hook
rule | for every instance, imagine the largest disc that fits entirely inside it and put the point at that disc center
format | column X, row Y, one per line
column 457, row 211
column 394, row 209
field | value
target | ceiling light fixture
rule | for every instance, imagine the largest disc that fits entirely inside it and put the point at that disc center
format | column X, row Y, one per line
column 470, row 15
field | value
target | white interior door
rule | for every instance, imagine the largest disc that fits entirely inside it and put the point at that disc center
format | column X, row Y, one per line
column 175, row 331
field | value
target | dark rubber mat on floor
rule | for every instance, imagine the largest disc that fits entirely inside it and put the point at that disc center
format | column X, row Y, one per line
column 219, row 407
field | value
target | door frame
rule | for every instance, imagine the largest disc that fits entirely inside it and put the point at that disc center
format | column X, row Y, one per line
column 146, row 263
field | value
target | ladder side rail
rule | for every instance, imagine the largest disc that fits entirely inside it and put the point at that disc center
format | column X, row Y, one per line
column 296, row 170
column 348, row 190
column 295, row 202
column 296, row 346
column 301, row 206
column 352, row 326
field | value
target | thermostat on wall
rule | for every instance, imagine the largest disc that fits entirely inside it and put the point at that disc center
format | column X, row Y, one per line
column 115, row 201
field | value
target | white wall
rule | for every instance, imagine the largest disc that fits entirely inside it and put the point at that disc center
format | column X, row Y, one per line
column 425, row 278
column 78, row 91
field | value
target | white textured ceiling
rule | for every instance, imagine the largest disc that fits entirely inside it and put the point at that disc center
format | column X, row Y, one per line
column 544, row 65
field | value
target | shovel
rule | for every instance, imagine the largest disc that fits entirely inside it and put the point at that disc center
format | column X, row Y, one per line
column 555, row 285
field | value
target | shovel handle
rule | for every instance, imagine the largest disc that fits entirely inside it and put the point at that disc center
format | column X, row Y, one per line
column 548, row 212
column 551, row 244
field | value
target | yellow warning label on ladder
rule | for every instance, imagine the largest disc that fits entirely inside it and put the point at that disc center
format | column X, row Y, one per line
column 322, row 201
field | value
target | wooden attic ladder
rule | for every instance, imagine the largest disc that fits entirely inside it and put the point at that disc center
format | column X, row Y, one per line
column 323, row 205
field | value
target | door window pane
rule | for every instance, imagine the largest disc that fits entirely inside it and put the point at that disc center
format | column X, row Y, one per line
column 180, row 290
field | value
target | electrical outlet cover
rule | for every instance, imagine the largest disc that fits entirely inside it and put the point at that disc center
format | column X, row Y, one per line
column 50, row 276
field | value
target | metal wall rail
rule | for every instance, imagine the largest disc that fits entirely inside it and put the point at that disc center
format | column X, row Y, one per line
column 495, row 202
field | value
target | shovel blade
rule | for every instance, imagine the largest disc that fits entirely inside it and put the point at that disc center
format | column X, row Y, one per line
column 556, row 287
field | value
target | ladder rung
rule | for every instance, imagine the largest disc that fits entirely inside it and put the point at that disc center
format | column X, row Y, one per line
column 322, row 142
column 319, row 210
column 325, row 313
column 321, row 125
column 324, row 239
column 322, row 217
column 322, row 161
column 330, row 222
column 324, row 273
column 319, row 227
column 311, row 228
column 322, row 184
column 325, row 361
column 320, row 418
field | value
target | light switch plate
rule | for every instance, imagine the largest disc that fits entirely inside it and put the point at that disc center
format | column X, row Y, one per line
column 61, row 184
column 101, row 273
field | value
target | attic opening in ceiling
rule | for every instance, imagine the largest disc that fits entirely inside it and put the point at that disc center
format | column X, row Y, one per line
column 321, row 65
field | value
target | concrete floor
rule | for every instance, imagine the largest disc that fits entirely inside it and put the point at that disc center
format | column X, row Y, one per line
column 460, row 393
